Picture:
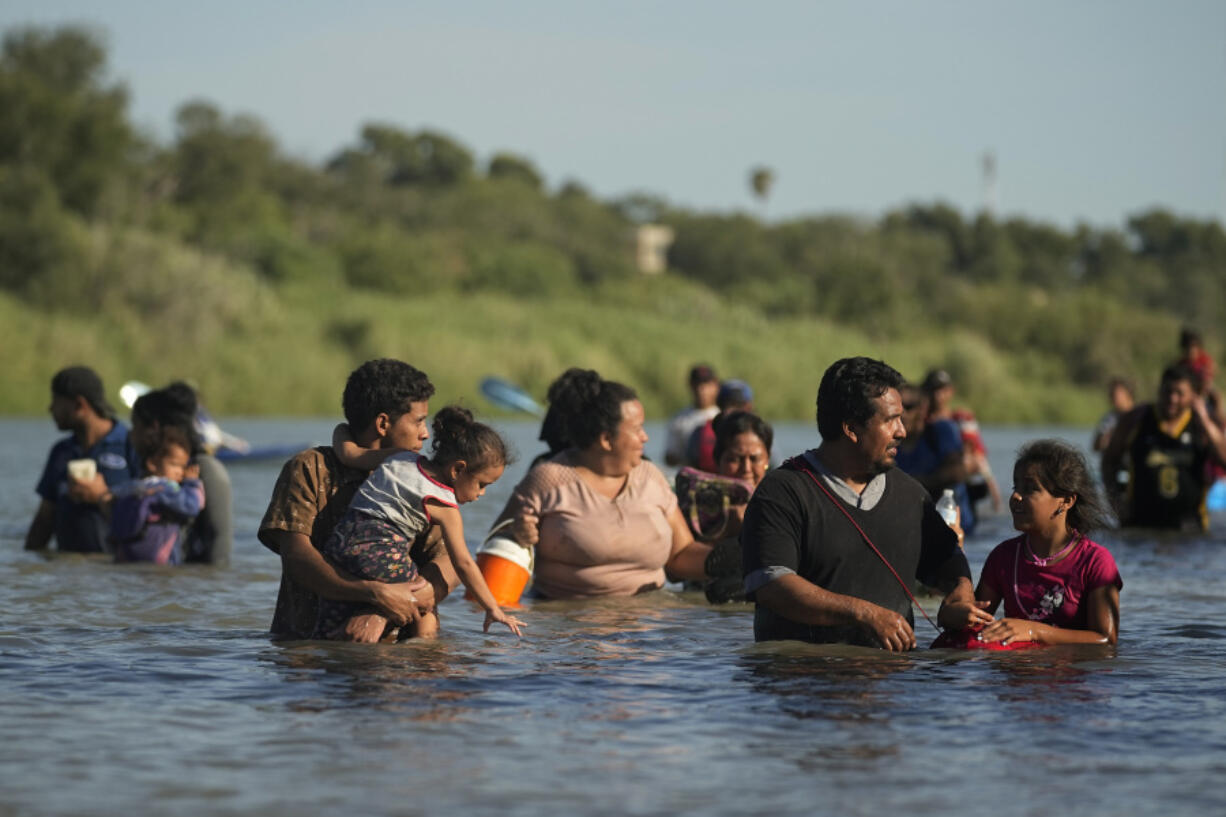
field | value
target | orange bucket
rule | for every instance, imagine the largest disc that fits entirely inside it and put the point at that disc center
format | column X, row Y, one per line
column 506, row 567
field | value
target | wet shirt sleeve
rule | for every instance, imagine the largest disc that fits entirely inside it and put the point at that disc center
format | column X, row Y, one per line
column 772, row 535
column 295, row 499
column 1101, row 570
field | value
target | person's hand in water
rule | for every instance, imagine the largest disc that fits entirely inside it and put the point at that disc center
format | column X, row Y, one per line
column 1007, row 630
column 514, row 624
column 889, row 629
column 962, row 614
column 365, row 629
column 403, row 602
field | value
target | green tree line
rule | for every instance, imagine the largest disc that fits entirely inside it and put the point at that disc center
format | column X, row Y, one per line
column 219, row 258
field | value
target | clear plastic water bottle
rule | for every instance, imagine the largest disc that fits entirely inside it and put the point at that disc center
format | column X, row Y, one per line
column 947, row 507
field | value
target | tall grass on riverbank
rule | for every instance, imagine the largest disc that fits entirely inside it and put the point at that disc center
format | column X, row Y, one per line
column 168, row 312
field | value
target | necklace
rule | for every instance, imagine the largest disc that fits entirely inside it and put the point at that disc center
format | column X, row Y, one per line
column 1036, row 615
column 1074, row 540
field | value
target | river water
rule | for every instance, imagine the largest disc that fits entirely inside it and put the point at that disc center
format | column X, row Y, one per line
column 155, row 690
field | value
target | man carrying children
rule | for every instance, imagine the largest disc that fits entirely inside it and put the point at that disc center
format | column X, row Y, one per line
column 386, row 404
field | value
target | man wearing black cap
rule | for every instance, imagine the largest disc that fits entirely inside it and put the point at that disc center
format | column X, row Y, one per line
column 99, row 455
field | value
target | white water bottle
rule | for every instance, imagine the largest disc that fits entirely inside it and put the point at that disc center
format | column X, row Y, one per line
column 947, row 507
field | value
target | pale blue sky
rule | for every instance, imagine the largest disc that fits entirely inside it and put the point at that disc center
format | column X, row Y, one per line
column 1094, row 110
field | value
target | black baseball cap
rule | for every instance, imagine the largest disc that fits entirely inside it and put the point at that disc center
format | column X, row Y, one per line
column 82, row 381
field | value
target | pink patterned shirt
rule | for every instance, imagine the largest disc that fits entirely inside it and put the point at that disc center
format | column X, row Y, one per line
column 1052, row 594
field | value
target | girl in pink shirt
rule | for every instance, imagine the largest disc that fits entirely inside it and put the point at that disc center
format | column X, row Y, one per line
column 1058, row 587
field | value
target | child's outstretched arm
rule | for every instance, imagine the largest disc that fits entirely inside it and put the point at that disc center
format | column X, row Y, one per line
column 448, row 518
column 187, row 500
column 354, row 455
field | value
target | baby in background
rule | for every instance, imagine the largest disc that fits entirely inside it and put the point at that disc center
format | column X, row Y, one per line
column 149, row 515
column 405, row 496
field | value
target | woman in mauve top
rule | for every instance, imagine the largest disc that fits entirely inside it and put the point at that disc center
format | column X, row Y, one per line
column 603, row 521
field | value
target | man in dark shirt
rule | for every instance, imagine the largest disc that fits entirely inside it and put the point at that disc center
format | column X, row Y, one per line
column 808, row 567
column 1166, row 446
column 73, row 496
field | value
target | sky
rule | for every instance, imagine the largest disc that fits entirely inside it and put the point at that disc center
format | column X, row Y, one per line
column 1092, row 110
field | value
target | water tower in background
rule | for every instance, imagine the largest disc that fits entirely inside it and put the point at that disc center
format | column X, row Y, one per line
column 651, row 247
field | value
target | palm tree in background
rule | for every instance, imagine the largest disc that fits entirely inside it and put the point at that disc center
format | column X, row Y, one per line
column 760, row 180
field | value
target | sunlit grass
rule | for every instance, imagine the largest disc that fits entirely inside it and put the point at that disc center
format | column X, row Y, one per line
column 254, row 349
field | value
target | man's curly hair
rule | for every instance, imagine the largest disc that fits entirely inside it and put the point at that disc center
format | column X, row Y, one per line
column 847, row 392
column 383, row 386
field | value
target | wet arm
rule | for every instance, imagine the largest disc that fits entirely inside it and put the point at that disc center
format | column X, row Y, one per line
column 960, row 609
column 1213, row 432
column 453, row 538
column 1103, row 620
column 800, row 600
column 987, row 592
column 308, row 568
column 687, row 557
column 354, row 455
column 438, row 570
column 188, row 501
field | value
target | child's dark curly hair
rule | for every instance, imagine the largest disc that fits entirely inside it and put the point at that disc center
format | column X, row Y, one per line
column 457, row 436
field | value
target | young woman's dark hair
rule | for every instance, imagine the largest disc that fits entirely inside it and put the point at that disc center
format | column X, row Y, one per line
column 383, row 386
column 847, row 391
column 457, row 436
column 729, row 426
column 582, row 406
column 1062, row 471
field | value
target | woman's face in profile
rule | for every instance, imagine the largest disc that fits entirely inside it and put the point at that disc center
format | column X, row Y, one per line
column 745, row 457
column 631, row 436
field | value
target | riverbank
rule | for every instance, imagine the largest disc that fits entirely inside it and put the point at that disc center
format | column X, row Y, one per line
column 254, row 350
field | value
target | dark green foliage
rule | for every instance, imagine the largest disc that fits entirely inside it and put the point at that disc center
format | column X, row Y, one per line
column 388, row 259
column 389, row 155
column 511, row 167
column 58, row 117
column 524, row 269
column 37, row 239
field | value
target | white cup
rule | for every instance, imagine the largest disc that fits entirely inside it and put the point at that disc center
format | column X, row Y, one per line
column 82, row 470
